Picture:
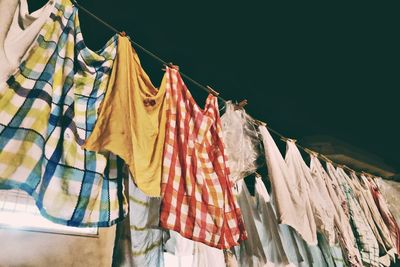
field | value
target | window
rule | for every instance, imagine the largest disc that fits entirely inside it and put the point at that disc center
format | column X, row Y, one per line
column 18, row 211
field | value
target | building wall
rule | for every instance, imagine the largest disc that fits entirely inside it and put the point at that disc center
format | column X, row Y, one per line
column 25, row 248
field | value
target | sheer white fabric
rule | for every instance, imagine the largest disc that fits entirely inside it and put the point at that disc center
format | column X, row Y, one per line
column 241, row 141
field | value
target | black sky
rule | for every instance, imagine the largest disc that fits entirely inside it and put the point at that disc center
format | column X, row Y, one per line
column 305, row 67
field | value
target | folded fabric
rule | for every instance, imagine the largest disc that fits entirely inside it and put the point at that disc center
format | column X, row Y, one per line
column 131, row 121
column 290, row 197
column 48, row 107
column 197, row 197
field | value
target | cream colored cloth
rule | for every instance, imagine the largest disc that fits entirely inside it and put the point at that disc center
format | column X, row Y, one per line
column 322, row 215
column 18, row 33
column 132, row 120
column 289, row 195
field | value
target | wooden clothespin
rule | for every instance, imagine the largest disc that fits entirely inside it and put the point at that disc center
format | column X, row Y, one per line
column 170, row 65
column 240, row 105
column 212, row 91
column 311, row 152
column 348, row 168
column 285, row 139
column 325, row 158
column 259, row 123
column 123, row 33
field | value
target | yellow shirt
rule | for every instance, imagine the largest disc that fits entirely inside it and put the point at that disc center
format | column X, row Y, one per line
column 132, row 120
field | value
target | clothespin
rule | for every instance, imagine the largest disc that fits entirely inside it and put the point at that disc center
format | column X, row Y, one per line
column 347, row 168
column 170, row 65
column 325, row 158
column 212, row 91
column 315, row 154
column 259, row 123
column 339, row 165
column 123, row 33
column 285, row 139
column 240, row 105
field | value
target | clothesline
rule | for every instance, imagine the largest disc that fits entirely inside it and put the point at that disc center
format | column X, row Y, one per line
column 210, row 90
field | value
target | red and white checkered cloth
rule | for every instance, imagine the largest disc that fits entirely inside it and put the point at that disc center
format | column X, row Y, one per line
column 197, row 197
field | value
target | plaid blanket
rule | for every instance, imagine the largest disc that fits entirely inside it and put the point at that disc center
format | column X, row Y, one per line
column 48, row 107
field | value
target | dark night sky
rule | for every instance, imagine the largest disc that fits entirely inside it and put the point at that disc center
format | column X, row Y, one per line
column 305, row 68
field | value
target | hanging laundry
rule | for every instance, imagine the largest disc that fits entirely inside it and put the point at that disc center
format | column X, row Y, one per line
column 378, row 226
column 366, row 241
column 290, row 246
column 48, row 108
column 290, row 197
column 205, row 256
column 268, row 227
column 385, row 213
column 184, row 252
column 250, row 252
column 390, row 190
column 179, row 251
column 242, row 145
column 197, row 197
column 146, row 237
column 332, row 254
column 311, row 254
column 20, row 32
column 344, row 233
column 298, row 168
column 131, row 121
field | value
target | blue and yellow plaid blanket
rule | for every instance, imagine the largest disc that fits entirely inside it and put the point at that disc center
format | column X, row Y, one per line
column 48, row 107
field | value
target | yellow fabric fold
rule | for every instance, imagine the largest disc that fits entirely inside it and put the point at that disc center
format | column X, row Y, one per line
column 132, row 119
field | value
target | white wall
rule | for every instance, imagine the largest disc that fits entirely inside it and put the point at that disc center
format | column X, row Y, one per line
column 24, row 248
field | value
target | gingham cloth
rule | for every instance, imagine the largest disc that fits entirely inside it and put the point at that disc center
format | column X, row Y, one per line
column 48, row 107
column 197, row 197
column 365, row 239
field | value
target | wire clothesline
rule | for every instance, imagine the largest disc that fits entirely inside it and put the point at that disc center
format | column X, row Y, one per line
column 209, row 89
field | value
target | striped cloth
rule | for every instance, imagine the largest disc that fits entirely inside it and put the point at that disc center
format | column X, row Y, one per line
column 197, row 197
column 48, row 107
